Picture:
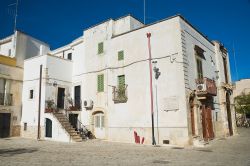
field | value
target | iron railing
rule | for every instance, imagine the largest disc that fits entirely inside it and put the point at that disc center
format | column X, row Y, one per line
column 120, row 94
column 6, row 99
column 80, row 128
column 208, row 88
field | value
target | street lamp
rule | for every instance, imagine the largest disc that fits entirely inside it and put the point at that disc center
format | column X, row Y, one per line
column 157, row 75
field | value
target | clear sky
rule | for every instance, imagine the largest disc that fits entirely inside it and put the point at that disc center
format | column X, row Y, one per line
column 58, row 22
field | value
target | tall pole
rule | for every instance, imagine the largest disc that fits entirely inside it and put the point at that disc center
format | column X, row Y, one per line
column 151, row 89
column 144, row 11
column 39, row 104
column 15, row 16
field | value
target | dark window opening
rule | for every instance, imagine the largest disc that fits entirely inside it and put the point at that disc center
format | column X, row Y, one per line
column 31, row 94
column 69, row 56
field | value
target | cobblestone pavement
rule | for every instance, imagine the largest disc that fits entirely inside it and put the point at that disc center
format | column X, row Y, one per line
column 18, row 151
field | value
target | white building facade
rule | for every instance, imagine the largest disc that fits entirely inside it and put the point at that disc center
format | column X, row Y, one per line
column 13, row 50
column 102, row 82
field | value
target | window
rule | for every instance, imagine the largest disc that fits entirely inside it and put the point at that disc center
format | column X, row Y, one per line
column 199, row 54
column 31, row 94
column 100, row 48
column 199, row 68
column 100, row 83
column 121, row 81
column 99, row 121
column 25, row 126
column 9, row 53
column 120, row 55
column 69, row 56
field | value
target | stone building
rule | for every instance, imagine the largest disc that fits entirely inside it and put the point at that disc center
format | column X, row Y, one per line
column 102, row 83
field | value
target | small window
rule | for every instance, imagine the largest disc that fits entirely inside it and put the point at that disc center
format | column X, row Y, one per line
column 69, row 56
column 25, row 126
column 100, row 48
column 120, row 55
column 31, row 96
column 100, row 83
column 9, row 53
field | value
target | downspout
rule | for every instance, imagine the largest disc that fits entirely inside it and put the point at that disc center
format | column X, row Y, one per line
column 151, row 89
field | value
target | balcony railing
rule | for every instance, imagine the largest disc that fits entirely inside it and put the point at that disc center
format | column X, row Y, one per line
column 206, row 86
column 120, row 94
column 6, row 99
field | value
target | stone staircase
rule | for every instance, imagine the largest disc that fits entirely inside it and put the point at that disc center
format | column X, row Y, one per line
column 74, row 135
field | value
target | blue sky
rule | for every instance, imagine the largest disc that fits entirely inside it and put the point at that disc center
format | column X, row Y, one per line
column 58, row 22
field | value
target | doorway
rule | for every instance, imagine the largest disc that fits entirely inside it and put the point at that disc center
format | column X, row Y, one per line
column 48, row 128
column 60, row 98
column 77, row 97
column 229, row 116
column 191, row 103
column 73, row 118
column 207, row 124
column 4, row 125
column 99, row 125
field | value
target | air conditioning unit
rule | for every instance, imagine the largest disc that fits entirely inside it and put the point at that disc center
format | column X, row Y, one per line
column 201, row 87
column 88, row 103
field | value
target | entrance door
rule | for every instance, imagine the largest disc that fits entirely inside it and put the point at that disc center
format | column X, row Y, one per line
column 60, row 98
column 48, row 128
column 78, row 96
column 99, row 125
column 229, row 116
column 192, row 116
column 207, row 124
column 4, row 125
column 73, row 120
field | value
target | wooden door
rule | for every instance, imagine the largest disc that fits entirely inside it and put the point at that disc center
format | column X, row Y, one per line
column 60, row 98
column 4, row 125
column 207, row 123
column 192, row 120
column 48, row 128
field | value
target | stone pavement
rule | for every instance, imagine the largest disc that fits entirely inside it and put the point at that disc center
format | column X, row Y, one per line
column 18, row 151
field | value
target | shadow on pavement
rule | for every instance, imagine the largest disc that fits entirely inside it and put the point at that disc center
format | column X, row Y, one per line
column 12, row 152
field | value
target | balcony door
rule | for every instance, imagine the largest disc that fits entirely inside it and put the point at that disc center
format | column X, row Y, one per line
column 77, row 96
column 60, row 97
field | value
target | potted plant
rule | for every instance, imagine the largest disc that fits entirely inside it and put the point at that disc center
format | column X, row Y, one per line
column 50, row 106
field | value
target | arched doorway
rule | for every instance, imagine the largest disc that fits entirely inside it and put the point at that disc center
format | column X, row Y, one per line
column 99, row 124
column 48, row 128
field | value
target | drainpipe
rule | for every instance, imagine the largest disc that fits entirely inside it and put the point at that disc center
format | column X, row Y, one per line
column 39, row 104
column 151, row 89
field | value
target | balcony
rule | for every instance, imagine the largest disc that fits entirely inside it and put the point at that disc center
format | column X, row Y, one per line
column 120, row 94
column 206, row 87
column 6, row 99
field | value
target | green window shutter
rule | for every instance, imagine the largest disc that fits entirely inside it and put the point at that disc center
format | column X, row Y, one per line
column 100, row 48
column 121, row 81
column 100, row 83
column 120, row 55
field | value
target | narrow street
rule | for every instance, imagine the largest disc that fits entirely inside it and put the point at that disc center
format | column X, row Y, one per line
column 230, row 151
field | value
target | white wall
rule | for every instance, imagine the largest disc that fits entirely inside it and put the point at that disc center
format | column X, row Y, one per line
column 59, row 71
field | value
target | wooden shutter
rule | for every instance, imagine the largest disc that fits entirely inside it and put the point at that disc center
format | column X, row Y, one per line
column 121, row 81
column 100, row 83
column 120, row 55
column 100, row 48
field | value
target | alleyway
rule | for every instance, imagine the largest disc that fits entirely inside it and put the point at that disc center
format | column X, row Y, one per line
column 230, row 151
